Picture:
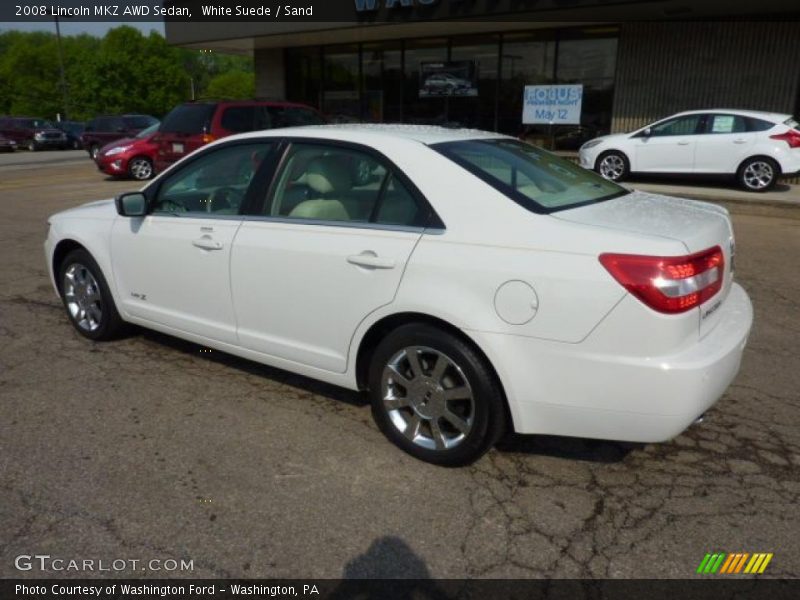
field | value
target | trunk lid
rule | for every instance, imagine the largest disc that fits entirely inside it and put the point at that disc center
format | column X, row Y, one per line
column 698, row 225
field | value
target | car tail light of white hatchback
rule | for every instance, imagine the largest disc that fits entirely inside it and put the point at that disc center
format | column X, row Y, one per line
column 469, row 283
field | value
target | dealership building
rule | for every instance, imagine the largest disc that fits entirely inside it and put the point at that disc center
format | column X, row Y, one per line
column 636, row 61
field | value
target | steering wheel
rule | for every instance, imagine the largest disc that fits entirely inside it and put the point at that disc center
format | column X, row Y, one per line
column 228, row 197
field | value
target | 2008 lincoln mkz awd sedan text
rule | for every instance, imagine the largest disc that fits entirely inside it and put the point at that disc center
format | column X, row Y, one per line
column 473, row 284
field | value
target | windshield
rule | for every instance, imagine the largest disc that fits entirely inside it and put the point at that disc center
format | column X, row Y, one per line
column 149, row 131
column 139, row 121
column 532, row 177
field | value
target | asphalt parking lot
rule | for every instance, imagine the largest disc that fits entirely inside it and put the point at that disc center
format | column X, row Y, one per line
column 150, row 447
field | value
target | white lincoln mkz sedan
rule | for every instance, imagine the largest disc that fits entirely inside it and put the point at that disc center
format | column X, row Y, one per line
column 754, row 147
column 473, row 284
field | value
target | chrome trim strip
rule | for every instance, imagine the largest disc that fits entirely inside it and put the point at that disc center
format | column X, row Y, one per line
column 348, row 224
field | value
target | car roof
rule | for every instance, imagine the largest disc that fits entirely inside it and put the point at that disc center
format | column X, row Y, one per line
column 371, row 132
column 758, row 114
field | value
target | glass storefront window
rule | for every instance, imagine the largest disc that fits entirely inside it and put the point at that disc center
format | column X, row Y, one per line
column 304, row 75
column 477, row 112
column 471, row 81
column 382, row 88
column 588, row 56
column 341, row 97
column 527, row 59
column 429, row 110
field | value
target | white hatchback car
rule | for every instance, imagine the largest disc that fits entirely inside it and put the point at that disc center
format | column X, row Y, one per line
column 755, row 147
column 471, row 283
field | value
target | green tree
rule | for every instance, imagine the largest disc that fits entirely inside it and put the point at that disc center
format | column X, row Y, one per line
column 125, row 71
column 236, row 85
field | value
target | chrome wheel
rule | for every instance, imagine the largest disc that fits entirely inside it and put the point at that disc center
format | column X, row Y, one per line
column 82, row 296
column 758, row 175
column 612, row 167
column 140, row 168
column 428, row 398
column 95, row 150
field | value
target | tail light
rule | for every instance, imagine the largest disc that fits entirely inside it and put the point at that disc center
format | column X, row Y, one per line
column 791, row 137
column 669, row 284
column 208, row 138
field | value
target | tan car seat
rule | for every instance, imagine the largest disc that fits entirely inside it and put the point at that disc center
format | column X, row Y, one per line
column 328, row 177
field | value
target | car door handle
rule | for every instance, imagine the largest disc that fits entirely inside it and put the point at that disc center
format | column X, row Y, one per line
column 370, row 260
column 683, row 143
column 740, row 141
column 207, row 243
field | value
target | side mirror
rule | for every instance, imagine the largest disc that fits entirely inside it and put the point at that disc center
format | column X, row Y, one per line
column 647, row 132
column 131, row 204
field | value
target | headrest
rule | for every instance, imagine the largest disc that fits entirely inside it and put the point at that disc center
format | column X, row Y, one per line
column 326, row 174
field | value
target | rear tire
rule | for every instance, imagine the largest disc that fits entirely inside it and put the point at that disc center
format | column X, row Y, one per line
column 87, row 299
column 94, row 150
column 758, row 174
column 31, row 146
column 613, row 165
column 434, row 396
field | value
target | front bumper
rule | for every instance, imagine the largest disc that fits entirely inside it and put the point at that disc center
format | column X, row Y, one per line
column 115, row 165
column 566, row 389
column 586, row 159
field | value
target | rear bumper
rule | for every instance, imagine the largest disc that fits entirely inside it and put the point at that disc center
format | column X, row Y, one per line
column 565, row 389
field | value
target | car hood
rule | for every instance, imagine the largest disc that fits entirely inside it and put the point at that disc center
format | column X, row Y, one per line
column 120, row 142
column 611, row 137
column 698, row 225
column 99, row 209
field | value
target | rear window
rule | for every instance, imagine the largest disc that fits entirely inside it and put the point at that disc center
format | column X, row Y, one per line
column 534, row 178
column 139, row 121
column 189, row 119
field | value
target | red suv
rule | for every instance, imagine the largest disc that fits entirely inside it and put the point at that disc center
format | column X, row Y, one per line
column 189, row 126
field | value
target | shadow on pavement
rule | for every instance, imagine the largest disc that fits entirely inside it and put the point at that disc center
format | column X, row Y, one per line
column 388, row 557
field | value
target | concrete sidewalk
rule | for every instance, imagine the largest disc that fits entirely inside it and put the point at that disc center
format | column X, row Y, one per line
column 783, row 195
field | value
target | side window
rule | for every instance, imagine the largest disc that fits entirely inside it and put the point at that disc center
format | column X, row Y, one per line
column 754, row 124
column 215, row 183
column 331, row 183
column 239, row 118
column 91, row 126
column 398, row 206
column 726, row 124
column 115, row 125
column 680, row 126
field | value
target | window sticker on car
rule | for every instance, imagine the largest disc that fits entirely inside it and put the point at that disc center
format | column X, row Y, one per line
column 177, row 148
column 722, row 124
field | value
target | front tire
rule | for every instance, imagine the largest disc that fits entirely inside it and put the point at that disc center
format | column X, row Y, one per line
column 434, row 396
column 93, row 151
column 758, row 174
column 31, row 146
column 613, row 165
column 140, row 168
column 87, row 299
